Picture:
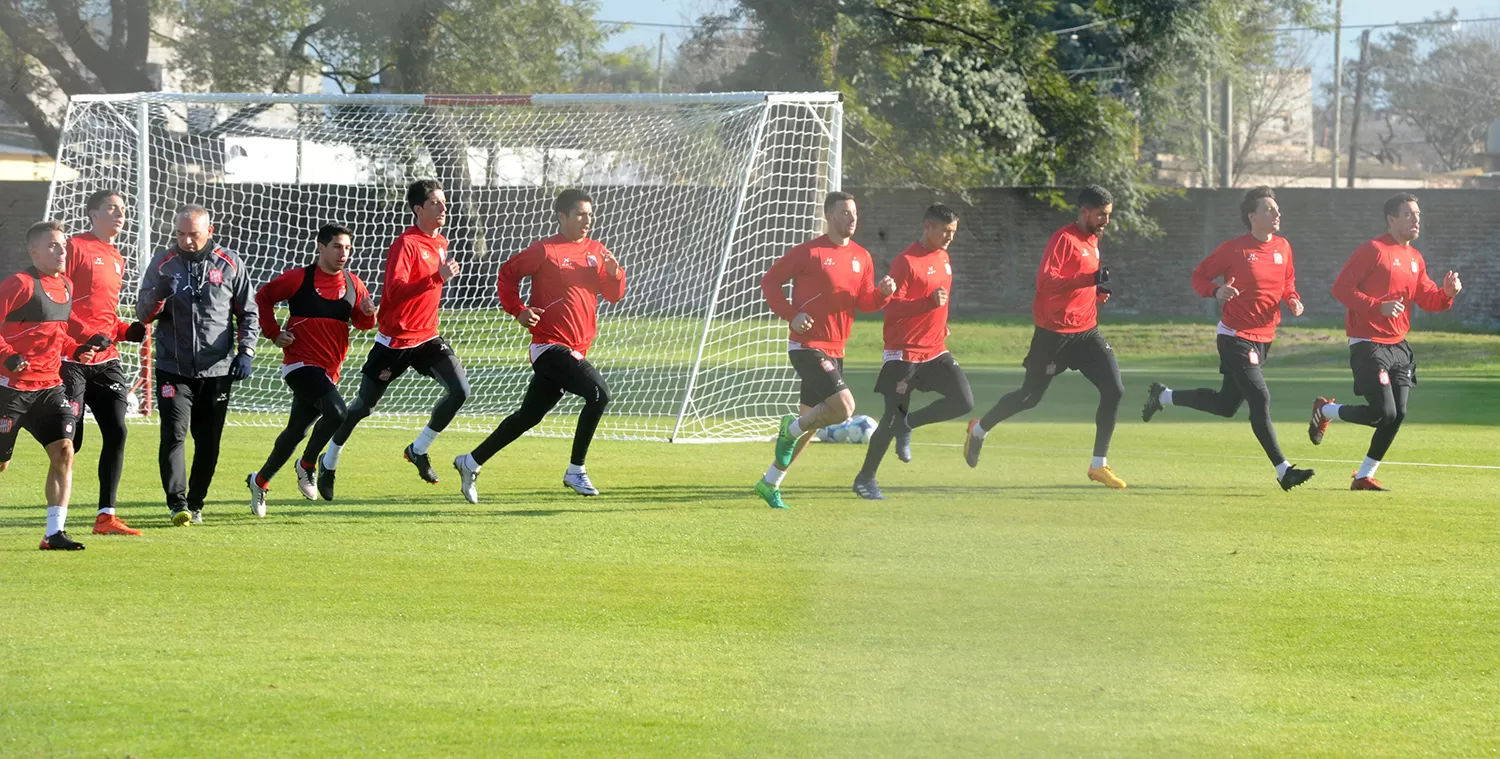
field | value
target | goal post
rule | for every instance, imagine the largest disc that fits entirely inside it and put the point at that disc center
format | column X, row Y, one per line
column 696, row 195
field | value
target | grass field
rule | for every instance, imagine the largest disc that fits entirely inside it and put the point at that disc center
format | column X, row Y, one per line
column 1013, row 609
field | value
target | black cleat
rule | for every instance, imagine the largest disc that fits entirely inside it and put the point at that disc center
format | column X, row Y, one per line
column 972, row 444
column 903, row 439
column 423, row 465
column 867, row 489
column 59, row 541
column 1295, row 477
column 325, row 480
column 1153, row 401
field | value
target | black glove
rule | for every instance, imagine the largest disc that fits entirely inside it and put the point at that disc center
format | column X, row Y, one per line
column 136, row 332
column 1101, row 276
column 95, row 343
column 240, row 368
column 13, row 364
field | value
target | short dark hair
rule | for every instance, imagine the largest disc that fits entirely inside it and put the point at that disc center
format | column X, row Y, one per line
column 419, row 191
column 568, row 200
column 940, row 213
column 38, row 230
column 97, row 198
column 834, row 198
column 327, row 232
column 1094, row 196
column 1393, row 206
column 1251, row 202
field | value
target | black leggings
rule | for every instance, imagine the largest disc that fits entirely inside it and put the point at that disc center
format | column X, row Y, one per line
column 1103, row 372
column 1385, row 411
column 327, row 409
column 108, row 407
column 1240, row 387
column 447, row 371
column 556, row 371
column 950, row 406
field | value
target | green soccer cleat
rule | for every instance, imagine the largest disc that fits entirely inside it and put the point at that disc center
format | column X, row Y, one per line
column 772, row 495
column 786, row 444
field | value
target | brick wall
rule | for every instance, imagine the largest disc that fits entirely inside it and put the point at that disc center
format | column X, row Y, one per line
column 1003, row 232
column 21, row 205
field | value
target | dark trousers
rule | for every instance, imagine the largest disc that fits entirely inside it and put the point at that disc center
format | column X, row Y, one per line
column 441, row 366
column 940, row 376
column 1385, row 410
column 199, row 406
column 556, row 371
column 101, row 388
column 1241, row 386
column 1102, row 370
column 315, row 399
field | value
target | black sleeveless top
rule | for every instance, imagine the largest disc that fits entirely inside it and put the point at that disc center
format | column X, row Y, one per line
column 306, row 303
column 41, row 307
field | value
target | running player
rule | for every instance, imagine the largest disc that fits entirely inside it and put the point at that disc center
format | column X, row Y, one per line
column 416, row 268
column 323, row 301
column 831, row 276
column 1375, row 285
column 96, row 269
column 1069, row 290
column 568, row 273
column 916, row 351
column 1258, row 276
column 34, row 337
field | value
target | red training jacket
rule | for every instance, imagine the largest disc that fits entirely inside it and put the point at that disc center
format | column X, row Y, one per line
column 914, row 324
column 1065, row 291
column 96, row 270
column 828, row 283
column 1264, row 275
column 1382, row 270
column 411, row 289
column 35, row 325
column 567, row 279
column 320, row 316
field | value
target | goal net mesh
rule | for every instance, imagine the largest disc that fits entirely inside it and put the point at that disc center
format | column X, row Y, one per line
column 696, row 195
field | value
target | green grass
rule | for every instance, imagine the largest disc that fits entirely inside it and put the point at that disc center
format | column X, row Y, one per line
column 1013, row 609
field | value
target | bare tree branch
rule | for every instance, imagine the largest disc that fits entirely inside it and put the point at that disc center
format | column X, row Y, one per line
column 28, row 40
column 115, row 74
column 20, row 87
column 976, row 36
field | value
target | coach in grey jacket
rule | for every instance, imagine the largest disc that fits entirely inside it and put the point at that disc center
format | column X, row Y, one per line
column 200, row 299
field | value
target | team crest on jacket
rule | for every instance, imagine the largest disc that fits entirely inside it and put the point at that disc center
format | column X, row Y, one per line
column 215, row 277
column 593, row 262
column 1276, row 257
column 855, row 264
column 1413, row 267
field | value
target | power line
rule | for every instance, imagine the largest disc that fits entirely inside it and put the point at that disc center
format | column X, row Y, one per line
column 1428, row 22
column 672, row 26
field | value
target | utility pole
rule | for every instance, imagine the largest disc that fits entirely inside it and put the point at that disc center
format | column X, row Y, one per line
column 1338, row 81
column 1226, row 128
column 661, row 48
column 1359, row 97
column 1206, row 171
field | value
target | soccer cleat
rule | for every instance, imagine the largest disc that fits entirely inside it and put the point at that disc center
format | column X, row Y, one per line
column 197, row 516
column 868, row 489
column 1367, row 483
column 59, row 541
column 786, row 443
column 771, row 494
column 305, row 484
column 181, row 518
column 1319, row 424
column 903, row 439
column 257, row 498
column 1153, row 401
column 325, row 480
column 422, row 463
column 579, row 482
column 972, row 444
column 1107, row 476
column 466, row 480
column 1295, row 477
column 109, row 524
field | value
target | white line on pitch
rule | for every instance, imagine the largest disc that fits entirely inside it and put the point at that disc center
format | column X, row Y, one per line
column 1217, row 456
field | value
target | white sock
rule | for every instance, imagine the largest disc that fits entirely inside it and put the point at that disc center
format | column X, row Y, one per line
column 57, row 516
column 774, row 476
column 979, row 432
column 1331, row 411
column 107, row 510
column 424, row 440
column 576, row 469
column 1367, row 469
column 331, row 456
column 468, row 463
column 796, row 429
column 1281, row 469
column 1098, row 463
column 1166, row 397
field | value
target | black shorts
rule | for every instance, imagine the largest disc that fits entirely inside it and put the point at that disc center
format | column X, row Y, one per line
column 309, row 383
column 1053, row 353
column 47, row 414
column 1376, row 364
column 941, row 375
column 385, row 364
column 1236, row 354
column 822, row 377
column 91, row 379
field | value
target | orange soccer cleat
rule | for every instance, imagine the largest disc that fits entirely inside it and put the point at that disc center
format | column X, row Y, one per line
column 109, row 524
column 1107, row 476
column 1367, row 483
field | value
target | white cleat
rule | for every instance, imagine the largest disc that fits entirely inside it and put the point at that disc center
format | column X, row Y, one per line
column 305, row 483
column 579, row 482
column 466, row 480
column 257, row 498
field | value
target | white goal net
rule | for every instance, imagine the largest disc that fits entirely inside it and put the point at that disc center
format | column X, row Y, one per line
column 695, row 194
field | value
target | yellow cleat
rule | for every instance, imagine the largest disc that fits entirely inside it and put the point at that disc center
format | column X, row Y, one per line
column 1107, row 476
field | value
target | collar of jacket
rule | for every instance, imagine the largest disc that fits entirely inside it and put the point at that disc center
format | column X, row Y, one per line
column 200, row 255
